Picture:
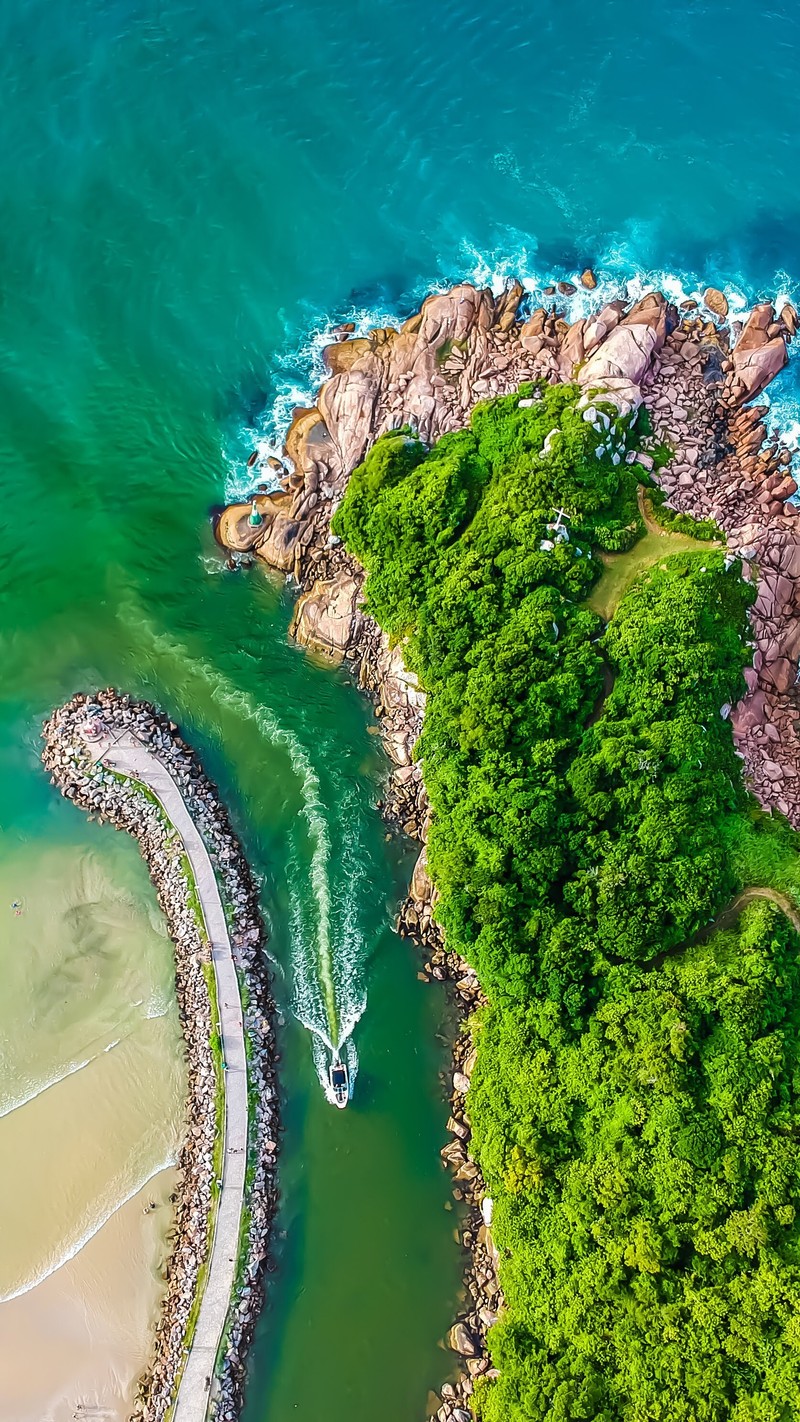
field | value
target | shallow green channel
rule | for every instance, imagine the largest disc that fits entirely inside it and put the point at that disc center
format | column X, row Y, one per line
column 366, row 1267
column 142, row 295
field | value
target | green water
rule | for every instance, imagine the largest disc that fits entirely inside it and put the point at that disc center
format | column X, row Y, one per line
column 115, row 580
column 144, row 275
column 188, row 189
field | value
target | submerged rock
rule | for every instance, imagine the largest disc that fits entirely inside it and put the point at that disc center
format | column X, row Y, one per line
column 461, row 1341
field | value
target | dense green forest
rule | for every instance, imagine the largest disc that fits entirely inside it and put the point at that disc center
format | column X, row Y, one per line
column 634, row 1103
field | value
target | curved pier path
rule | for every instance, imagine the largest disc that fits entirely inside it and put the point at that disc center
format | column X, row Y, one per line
column 130, row 757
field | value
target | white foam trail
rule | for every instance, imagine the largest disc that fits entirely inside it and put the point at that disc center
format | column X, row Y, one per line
column 153, row 1013
column 351, row 1058
column 75, row 1247
column 308, row 1002
column 241, row 704
column 312, row 812
column 322, row 1055
column 212, row 565
column 328, row 991
column 349, row 962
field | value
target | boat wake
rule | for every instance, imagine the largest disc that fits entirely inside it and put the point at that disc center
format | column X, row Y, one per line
column 327, row 938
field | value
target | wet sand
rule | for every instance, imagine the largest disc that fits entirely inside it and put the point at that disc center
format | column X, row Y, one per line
column 92, row 1087
column 74, row 1346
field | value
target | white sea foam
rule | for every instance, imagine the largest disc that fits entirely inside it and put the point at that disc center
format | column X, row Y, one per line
column 297, row 374
column 328, row 946
column 33, row 1090
column 299, row 370
column 70, row 1249
column 321, row 1054
column 349, row 960
column 312, row 811
column 155, row 1008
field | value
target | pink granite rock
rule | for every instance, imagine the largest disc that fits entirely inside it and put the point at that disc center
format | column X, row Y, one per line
column 325, row 618
column 757, row 356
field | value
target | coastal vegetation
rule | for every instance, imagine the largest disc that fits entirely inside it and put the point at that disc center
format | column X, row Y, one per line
column 633, row 1104
column 664, row 535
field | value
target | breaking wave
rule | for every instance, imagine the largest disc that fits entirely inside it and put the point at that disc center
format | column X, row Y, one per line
column 72, row 1247
column 298, row 369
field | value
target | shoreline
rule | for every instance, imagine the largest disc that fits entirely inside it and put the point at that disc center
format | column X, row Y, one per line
column 134, row 808
column 697, row 375
column 302, row 371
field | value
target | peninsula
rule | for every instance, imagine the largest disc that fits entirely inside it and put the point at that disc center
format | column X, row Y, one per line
column 563, row 559
column 126, row 764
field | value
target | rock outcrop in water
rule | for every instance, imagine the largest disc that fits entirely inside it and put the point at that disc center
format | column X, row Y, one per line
column 695, row 373
column 126, row 806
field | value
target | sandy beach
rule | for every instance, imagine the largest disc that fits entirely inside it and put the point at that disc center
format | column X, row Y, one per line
column 90, row 1123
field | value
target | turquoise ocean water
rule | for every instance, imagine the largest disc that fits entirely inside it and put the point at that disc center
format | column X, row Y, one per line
column 190, row 194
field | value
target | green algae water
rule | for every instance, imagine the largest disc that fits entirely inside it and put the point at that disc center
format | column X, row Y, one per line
column 190, row 193
column 171, row 624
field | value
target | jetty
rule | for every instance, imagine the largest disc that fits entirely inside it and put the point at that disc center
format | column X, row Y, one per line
column 123, row 762
column 126, row 754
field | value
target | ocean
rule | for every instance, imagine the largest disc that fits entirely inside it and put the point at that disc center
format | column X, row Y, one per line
column 192, row 195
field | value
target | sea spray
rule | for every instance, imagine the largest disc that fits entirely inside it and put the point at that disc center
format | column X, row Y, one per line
column 298, row 369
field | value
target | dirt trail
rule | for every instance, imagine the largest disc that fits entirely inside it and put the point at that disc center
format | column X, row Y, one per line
column 729, row 915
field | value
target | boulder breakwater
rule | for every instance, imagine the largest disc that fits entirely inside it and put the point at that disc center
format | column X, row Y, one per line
column 70, row 754
column 698, row 374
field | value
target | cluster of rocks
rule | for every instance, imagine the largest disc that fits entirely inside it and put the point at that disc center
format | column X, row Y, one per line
column 481, row 1294
column 694, row 370
column 125, row 805
column 727, row 467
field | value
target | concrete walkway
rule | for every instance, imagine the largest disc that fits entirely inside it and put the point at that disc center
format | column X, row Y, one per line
column 130, row 757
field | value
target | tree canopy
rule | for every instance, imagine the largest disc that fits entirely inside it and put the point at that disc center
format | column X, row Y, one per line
column 634, row 1104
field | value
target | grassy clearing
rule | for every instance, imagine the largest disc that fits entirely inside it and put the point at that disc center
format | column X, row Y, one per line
column 764, row 852
column 622, row 569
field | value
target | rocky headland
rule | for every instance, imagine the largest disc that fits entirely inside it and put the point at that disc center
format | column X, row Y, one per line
column 699, row 374
column 105, row 796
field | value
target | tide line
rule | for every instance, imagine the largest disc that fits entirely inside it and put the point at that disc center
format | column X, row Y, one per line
column 74, row 1249
column 39, row 1090
column 8, row 1107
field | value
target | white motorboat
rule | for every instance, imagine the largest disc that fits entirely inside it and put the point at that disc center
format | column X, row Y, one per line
column 340, row 1082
